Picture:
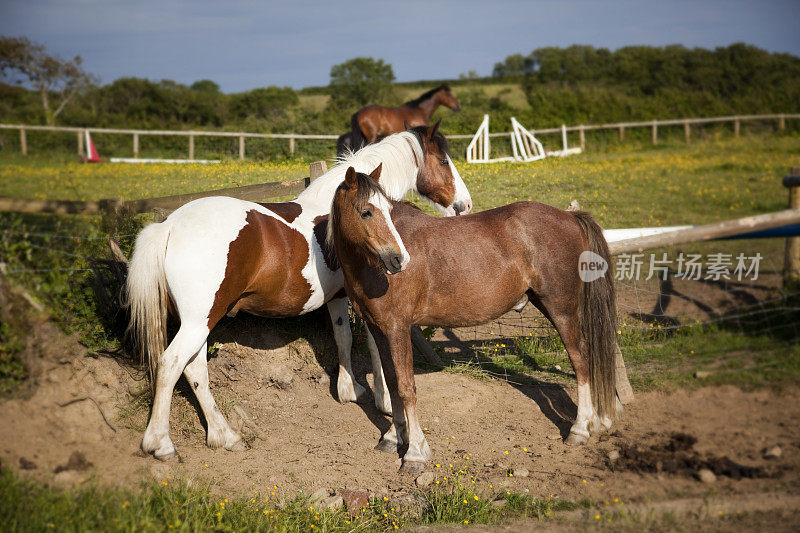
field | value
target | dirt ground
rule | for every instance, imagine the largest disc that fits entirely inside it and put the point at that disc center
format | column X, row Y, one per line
column 278, row 389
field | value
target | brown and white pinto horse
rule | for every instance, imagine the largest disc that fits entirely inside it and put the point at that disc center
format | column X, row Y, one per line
column 216, row 256
column 402, row 267
column 368, row 123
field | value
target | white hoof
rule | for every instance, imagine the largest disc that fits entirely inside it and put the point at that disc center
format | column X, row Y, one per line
column 577, row 437
column 597, row 425
column 238, row 446
column 160, row 447
column 225, row 438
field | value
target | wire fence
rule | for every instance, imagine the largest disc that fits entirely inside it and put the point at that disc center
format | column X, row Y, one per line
column 714, row 320
column 714, row 310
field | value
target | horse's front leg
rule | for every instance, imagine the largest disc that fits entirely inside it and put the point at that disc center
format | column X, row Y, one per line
column 348, row 389
column 398, row 365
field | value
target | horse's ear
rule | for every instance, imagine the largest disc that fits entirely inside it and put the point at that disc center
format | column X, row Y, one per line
column 350, row 178
column 376, row 174
column 406, row 126
column 434, row 129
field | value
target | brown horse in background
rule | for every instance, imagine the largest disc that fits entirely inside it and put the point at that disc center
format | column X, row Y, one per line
column 374, row 120
column 402, row 267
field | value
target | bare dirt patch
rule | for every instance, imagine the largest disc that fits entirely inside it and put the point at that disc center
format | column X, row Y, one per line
column 278, row 389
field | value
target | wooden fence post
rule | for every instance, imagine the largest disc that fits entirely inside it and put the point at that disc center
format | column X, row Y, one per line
column 291, row 145
column 583, row 138
column 136, row 145
column 791, row 269
column 655, row 132
column 781, row 122
column 241, row 147
column 687, row 132
column 23, row 141
column 317, row 169
column 191, row 146
column 80, row 143
column 621, row 133
column 736, row 127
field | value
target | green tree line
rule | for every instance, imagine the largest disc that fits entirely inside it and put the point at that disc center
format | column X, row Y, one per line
column 577, row 84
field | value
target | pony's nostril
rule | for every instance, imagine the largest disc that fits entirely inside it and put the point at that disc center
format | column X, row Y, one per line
column 397, row 262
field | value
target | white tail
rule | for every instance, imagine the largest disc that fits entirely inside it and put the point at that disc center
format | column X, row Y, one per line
column 147, row 294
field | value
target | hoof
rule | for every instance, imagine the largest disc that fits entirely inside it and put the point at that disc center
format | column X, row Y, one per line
column 171, row 457
column 412, row 467
column 386, row 446
column 575, row 439
column 238, row 446
column 598, row 426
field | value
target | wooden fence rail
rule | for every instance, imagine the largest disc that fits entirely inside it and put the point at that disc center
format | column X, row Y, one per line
column 253, row 193
column 686, row 123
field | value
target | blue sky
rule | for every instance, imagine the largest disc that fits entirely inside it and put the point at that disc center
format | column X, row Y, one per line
column 247, row 44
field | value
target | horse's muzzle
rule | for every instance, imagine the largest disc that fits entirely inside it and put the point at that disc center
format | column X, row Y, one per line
column 393, row 262
column 462, row 208
column 457, row 108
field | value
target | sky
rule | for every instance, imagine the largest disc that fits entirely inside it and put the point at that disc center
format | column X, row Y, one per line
column 244, row 44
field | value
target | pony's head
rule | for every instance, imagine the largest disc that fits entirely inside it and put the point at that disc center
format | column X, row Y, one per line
column 447, row 99
column 438, row 180
column 361, row 222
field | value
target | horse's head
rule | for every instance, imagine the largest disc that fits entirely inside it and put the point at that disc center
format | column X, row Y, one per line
column 438, row 180
column 447, row 99
column 361, row 223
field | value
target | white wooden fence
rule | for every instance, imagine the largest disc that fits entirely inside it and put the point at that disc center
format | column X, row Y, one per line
column 292, row 138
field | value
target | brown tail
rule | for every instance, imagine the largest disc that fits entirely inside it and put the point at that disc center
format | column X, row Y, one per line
column 598, row 316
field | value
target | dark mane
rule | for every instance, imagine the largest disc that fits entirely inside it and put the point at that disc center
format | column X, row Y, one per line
column 425, row 96
column 366, row 188
column 439, row 139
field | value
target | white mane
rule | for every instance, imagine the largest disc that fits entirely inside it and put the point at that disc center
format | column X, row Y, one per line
column 401, row 155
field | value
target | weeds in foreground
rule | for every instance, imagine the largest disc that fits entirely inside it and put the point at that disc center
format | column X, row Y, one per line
column 173, row 505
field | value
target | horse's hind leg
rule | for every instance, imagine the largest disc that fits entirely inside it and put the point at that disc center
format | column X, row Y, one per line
column 348, row 389
column 186, row 344
column 220, row 433
column 565, row 319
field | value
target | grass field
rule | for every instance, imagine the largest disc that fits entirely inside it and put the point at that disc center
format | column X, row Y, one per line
column 670, row 184
column 673, row 183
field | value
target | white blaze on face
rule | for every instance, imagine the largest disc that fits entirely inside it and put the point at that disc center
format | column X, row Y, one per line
column 382, row 204
column 462, row 194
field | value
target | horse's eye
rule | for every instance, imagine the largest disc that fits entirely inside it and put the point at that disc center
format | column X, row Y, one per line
column 366, row 214
column 443, row 161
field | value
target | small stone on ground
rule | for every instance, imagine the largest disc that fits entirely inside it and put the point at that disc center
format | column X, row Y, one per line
column 706, row 476
column 773, row 453
column 425, row 479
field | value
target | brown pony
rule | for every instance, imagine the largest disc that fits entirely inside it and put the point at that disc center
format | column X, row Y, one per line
column 402, row 267
column 374, row 120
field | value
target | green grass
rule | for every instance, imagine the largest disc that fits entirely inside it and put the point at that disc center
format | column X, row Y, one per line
column 66, row 179
column 174, row 505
